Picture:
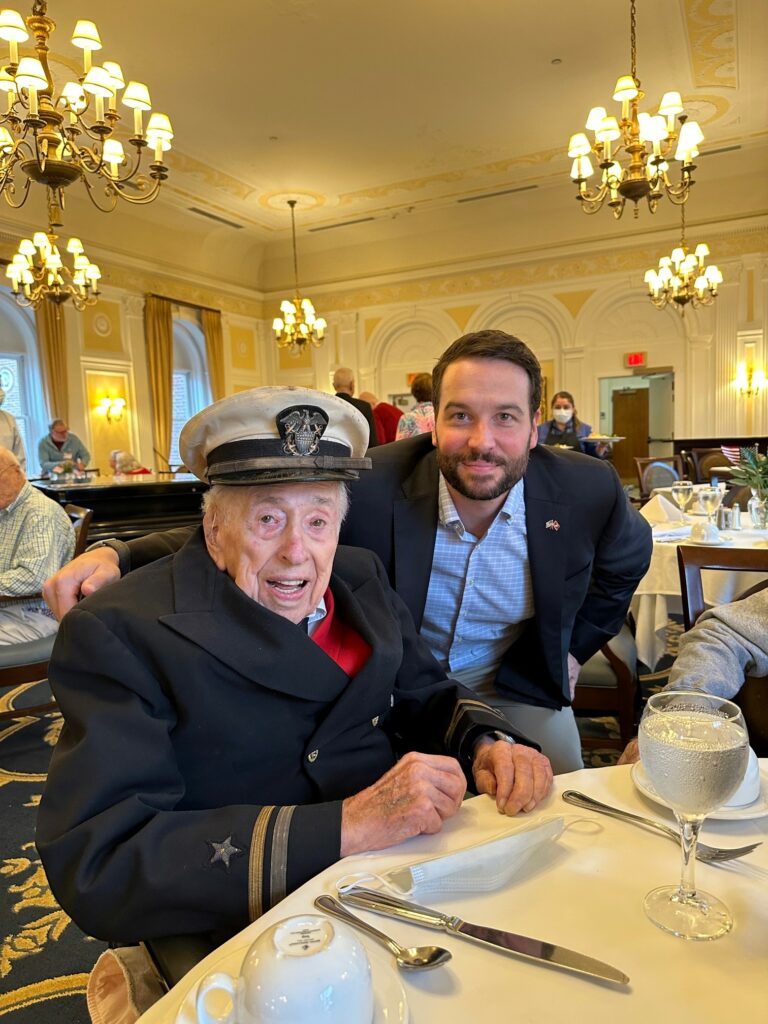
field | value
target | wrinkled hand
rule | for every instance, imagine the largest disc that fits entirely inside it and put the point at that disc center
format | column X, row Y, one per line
column 518, row 776
column 417, row 795
column 573, row 673
column 631, row 753
column 83, row 576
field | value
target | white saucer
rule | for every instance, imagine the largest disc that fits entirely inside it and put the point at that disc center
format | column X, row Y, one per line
column 757, row 809
column 389, row 1003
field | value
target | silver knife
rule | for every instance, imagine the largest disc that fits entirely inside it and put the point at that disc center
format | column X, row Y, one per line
column 507, row 942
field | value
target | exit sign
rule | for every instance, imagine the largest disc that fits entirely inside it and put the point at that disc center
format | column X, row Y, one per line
column 632, row 359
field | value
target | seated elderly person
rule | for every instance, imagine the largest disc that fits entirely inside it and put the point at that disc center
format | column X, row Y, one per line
column 36, row 539
column 726, row 644
column 124, row 463
column 243, row 713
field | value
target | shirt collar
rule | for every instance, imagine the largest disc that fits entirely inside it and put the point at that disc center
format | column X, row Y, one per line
column 317, row 616
column 448, row 516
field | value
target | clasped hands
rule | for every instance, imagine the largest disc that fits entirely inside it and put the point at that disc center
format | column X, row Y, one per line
column 423, row 790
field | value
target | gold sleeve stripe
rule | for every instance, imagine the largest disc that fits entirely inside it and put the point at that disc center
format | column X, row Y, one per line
column 279, row 866
column 462, row 707
column 256, row 864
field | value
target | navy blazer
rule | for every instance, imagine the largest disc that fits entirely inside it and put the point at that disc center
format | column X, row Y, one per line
column 587, row 548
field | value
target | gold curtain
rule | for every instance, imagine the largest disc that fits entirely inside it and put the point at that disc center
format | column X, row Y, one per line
column 214, row 350
column 158, row 331
column 52, row 339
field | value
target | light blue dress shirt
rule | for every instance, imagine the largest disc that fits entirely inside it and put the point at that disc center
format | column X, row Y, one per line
column 479, row 590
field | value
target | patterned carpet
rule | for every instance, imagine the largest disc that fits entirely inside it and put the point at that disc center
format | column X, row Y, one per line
column 44, row 958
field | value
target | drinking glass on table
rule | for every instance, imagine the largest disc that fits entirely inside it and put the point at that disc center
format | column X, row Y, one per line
column 681, row 492
column 694, row 749
column 709, row 499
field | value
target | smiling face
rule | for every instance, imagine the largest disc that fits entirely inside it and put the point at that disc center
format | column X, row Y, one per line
column 483, row 427
column 277, row 542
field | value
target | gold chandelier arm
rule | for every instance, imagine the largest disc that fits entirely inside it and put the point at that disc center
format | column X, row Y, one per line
column 8, row 187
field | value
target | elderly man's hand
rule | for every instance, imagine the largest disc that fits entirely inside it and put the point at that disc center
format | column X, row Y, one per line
column 83, row 576
column 631, row 753
column 518, row 776
column 417, row 795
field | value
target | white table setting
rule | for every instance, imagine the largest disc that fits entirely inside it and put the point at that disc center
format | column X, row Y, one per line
column 658, row 593
column 582, row 889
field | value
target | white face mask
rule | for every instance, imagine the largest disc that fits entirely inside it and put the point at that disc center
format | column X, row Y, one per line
column 481, row 868
column 562, row 415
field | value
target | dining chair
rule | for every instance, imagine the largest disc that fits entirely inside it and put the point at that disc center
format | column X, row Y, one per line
column 752, row 698
column 81, row 520
column 26, row 663
column 704, row 460
column 658, row 472
column 608, row 685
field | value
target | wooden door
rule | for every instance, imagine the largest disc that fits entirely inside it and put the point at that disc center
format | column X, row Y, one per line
column 630, row 421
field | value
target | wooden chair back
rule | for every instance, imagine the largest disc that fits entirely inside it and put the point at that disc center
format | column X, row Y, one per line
column 704, row 460
column 658, row 473
column 81, row 520
column 752, row 698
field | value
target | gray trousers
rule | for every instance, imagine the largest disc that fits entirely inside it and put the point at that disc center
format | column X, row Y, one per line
column 554, row 731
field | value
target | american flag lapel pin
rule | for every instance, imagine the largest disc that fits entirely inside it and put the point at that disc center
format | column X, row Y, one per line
column 552, row 524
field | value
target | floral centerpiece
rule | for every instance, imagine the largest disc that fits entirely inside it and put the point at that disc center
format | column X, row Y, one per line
column 65, row 469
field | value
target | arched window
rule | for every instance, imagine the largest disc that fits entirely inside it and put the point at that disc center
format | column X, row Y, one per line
column 20, row 375
column 191, row 389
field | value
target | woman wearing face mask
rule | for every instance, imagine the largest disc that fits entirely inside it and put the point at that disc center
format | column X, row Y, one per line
column 566, row 430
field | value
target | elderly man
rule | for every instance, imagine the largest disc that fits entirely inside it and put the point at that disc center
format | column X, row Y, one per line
column 517, row 562
column 60, row 445
column 36, row 539
column 242, row 714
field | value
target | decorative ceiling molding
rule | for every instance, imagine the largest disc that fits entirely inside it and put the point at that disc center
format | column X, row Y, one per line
column 711, row 29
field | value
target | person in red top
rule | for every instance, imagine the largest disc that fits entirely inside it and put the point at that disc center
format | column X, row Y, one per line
column 385, row 415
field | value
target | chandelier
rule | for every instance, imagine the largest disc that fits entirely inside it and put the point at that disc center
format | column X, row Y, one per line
column 682, row 277
column 56, row 138
column 37, row 272
column 647, row 141
column 299, row 325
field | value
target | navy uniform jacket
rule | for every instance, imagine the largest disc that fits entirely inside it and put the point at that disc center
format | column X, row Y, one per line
column 587, row 550
column 208, row 743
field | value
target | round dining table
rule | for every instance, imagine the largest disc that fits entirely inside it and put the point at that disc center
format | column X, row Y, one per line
column 658, row 593
column 585, row 891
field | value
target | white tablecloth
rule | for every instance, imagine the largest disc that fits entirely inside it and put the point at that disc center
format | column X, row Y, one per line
column 658, row 593
column 586, row 892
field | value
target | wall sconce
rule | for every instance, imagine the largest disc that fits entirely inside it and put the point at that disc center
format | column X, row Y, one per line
column 749, row 380
column 112, row 409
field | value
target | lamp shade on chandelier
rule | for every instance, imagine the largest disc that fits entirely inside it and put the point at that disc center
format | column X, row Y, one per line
column 633, row 151
column 683, row 277
column 299, row 325
column 38, row 272
column 59, row 136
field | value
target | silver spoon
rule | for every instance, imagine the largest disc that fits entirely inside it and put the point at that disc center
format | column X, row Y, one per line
column 408, row 958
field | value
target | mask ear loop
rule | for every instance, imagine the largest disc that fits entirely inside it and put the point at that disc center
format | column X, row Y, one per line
column 571, row 820
column 355, row 878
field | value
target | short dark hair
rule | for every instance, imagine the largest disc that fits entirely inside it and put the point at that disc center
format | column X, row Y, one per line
column 490, row 345
column 421, row 387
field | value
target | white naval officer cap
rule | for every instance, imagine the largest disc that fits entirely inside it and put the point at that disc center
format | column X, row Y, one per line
column 276, row 434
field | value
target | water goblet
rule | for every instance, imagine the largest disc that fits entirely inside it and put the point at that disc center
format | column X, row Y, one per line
column 709, row 499
column 682, row 491
column 694, row 749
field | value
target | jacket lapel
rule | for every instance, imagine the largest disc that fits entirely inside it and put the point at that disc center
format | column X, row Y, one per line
column 548, row 524
column 415, row 523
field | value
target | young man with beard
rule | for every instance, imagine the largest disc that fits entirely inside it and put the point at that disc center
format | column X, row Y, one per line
column 517, row 562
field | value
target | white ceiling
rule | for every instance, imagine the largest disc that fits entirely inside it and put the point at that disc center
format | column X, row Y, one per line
column 398, row 113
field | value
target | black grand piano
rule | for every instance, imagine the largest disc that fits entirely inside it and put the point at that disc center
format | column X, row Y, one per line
column 131, row 506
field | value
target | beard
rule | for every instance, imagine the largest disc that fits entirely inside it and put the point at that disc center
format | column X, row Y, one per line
column 482, row 490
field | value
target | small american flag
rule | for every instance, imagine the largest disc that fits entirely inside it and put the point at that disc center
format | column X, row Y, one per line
column 732, row 452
